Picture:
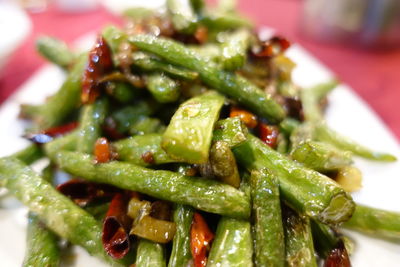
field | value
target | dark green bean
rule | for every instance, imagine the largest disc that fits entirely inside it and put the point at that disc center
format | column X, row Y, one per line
column 29, row 155
column 232, row 131
column 181, row 254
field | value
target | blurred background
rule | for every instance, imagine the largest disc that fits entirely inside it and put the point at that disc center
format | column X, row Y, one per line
column 359, row 40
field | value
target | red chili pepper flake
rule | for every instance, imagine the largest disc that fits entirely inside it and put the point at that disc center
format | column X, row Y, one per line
column 115, row 236
column 100, row 63
column 247, row 117
column 338, row 257
column 273, row 47
column 102, row 150
column 148, row 157
column 268, row 134
column 201, row 34
column 200, row 240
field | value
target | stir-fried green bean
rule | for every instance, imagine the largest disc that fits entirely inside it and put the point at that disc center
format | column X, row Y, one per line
column 189, row 133
column 150, row 254
column 203, row 194
column 181, row 254
column 92, row 118
column 269, row 241
column 227, row 83
column 55, row 51
column 378, row 222
column 163, row 88
column 58, row 213
column 305, row 190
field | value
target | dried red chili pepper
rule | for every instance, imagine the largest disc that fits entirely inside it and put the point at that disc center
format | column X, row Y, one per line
column 102, row 150
column 116, row 225
column 273, row 47
column 338, row 257
column 268, row 134
column 200, row 240
column 247, row 117
column 100, row 63
column 84, row 192
column 48, row 135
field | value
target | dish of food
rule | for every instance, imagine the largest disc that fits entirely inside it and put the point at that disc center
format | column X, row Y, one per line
column 182, row 158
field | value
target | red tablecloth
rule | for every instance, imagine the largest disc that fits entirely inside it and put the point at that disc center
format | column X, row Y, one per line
column 375, row 76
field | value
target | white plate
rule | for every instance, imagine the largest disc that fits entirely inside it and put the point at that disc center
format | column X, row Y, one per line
column 14, row 27
column 347, row 113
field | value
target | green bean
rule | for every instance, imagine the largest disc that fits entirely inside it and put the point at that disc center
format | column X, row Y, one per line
column 208, row 52
column 320, row 156
column 310, row 99
column 234, row 49
column 325, row 239
column 114, row 37
column 188, row 136
column 98, row 211
column 303, row 133
column 221, row 21
column 227, row 83
column 325, row 134
column 232, row 245
column 269, row 240
column 62, row 103
column 181, row 254
column 138, row 13
column 232, row 131
column 28, row 111
column 150, row 254
column 149, row 63
column 66, row 142
column 305, row 190
column 197, row 5
column 203, row 194
column 41, row 244
column 163, row 88
column 55, row 51
column 41, row 248
column 376, row 222
column 127, row 116
column 298, row 240
column 183, row 16
column 282, row 144
column 223, row 164
column 143, row 150
column 288, row 125
column 147, row 125
column 92, row 117
column 30, row 154
column 122, row 92
column 59, row 213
